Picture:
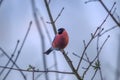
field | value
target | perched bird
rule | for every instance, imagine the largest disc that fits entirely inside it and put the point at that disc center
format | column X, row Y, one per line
column 60, row 41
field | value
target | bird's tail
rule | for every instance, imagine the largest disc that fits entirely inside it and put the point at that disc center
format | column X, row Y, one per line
column 48, row 51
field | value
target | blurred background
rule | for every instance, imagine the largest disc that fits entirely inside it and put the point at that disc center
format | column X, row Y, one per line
column 78, row 18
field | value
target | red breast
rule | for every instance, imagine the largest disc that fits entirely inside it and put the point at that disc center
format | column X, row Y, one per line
column 61, row 39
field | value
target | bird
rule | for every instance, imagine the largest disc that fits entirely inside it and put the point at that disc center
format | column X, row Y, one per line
column 60, row 41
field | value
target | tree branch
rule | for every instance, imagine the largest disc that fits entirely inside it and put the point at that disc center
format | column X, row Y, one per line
column 114, row 19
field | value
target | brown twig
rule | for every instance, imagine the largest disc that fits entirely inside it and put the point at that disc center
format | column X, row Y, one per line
column 50, row 16
column 71, row 65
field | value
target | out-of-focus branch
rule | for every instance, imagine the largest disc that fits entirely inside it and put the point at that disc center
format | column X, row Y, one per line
column 38, row 25
column 1, row 1
column 19, row 50
column 50, row 40
column 12, row 62
column 117, row 71
column 10, row 57
column 90, row 1
column 54, row 28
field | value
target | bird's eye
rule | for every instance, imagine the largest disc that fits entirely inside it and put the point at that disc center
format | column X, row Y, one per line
column 60, row 30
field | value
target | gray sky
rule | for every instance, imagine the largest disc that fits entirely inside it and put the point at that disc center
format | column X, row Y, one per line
column 79, row 19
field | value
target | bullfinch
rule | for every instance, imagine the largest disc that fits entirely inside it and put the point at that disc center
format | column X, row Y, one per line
column 60, row 41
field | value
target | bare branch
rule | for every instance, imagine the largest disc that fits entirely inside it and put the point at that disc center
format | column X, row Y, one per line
column 59, row 15
column 50, row 71
column 38, row 25
column 71, row 66
column 114, row 19
column 19, row 50
column 94, row 74
column 12, row 62
column 95, row 57
column 108, row 30
column 100, row 71
column 92, row 37
column 50, row 16
column 1, row 1
column 90, row 1
column 79, row 57
column 107, row 15
column 10, row 57
column 33, row 75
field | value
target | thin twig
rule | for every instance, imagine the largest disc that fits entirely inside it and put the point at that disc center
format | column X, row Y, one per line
column 103, row 22
column 54, row 28
column 98, row 53
column 38, row 71
column 25, row 37
column 19, row 50
column 108, row 30
column 12, row 62
column 48, row 34
column 10, row 57
column 88, row 61
column 90, row 1
column 59, row 15
column 85, row 48
column 94, row 74
column 101, row 76
column 95, row 57
column 38, row 76
column 114, row 19
column 80, row 57
column 50, row 40
column 87, row 57
column 50, row 16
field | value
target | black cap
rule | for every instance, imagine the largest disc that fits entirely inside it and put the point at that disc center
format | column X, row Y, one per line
column 60, row 30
